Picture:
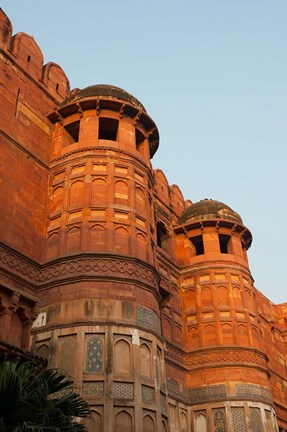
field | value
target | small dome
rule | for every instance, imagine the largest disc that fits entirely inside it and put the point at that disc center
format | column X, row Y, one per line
column 209, row 209
column 103, row 90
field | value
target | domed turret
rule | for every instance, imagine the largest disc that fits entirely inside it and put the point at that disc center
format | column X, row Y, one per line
column 209, row 209
column 102, row 91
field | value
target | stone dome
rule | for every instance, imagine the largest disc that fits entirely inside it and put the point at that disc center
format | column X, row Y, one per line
column 209, row 209
column 105, row 91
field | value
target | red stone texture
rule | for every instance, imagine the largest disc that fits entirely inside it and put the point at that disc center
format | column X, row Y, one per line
column 90, row 233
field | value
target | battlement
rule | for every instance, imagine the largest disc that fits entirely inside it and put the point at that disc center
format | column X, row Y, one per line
column 23, row 50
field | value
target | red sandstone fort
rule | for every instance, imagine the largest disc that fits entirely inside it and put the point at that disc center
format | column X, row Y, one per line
column 146, row 300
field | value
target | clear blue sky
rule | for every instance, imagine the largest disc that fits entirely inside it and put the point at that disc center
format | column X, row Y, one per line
column 213, row 76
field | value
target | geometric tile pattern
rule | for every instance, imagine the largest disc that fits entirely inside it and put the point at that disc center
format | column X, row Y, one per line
column 145, row 317
column 147, row 394
column 219, row 421
column 122, row 390
column 238, row 417
column 94, row 362
column 256, row 424
column 93, row 388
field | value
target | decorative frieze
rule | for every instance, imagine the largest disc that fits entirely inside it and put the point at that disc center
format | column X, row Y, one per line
column 251, row 391
column 74, row 267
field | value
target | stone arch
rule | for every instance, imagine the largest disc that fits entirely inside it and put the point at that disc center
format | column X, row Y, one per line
column 145, row 359
column 123, row 422
column 141, row 246
column 222, row 296
column 43, row 351
column 98, row 238
column 94, row 355
column 121, row 192
column 99, row 192
column 206, row 296
column 57, row 199
column 121, row 240
column 209, row 335
column 193, row 338
column 200, row 423
column 122, row 358
column 242, row 335
column 73, row 243
column 227, row 334
column 148, row 423
column 237, row 296
column 77, row 194
column 140, row 199
column 53, row 245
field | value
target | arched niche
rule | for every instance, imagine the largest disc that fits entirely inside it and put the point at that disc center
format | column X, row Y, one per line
column 193, row 338
column 57, row 199
column 99, row 192
column 227, row 334
column 200, row 423
column 237, row 296
column 43, row 351
column 67, row 353
column 94, row 355
column 76, row 198
column 209, row 335
column 123, row 422
column 141, row 246
column 121, row 245
column 148, row 423
column 222, row 296
column 166, row 329
column 242, row 335
column 94, row 423
column 190, row 299
column 73, row 243
column 98, row 238
column 206, row 297
column 53, row 245
column 140, row 199
column 122, row 358
column 121, row 192
column 145, row 360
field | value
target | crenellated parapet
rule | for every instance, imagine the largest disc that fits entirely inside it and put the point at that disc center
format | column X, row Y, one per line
column 23, row 50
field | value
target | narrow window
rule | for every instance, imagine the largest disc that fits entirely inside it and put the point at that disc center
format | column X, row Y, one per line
column 161, row 234
column 57, row 87
column 198, row 244
column 223, row 241
column 73, row 129
column 108, row 129
column 29, row 59
column 139, row 139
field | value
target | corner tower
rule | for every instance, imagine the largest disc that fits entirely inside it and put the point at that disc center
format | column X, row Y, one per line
column 100, row 308
column 227, row 375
